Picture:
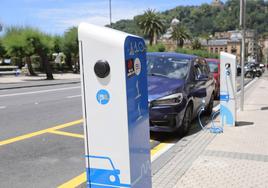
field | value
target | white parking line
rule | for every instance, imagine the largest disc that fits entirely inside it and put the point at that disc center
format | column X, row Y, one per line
column 74, row 96
column 41, row 91
column 2, row 107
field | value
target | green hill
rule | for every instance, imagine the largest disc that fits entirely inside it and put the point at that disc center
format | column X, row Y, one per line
column 206, row 19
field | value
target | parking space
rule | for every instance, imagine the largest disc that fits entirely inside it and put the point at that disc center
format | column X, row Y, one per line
column 49, row 157
column 42, row 152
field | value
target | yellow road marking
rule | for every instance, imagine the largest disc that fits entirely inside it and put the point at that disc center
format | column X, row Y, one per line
column 75, row 181
column 157, row 148
column 67, row 134
column 37, row 133
column 78, row 180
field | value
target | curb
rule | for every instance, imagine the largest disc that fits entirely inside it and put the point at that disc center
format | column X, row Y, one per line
column 39, row 85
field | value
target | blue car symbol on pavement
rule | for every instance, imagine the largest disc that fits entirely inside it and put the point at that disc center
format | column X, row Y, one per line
column 98, row 177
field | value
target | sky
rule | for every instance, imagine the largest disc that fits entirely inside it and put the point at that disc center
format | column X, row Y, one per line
column 55, row 16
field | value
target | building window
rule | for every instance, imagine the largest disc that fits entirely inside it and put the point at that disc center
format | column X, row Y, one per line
column 211, row 49
column 233, row 51
column 216, row 50
column 226, row 49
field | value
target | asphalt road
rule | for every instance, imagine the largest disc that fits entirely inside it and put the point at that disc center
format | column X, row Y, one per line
column 45, row 160
column 39, row 147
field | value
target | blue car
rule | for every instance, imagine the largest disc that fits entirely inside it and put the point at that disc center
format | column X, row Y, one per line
column 176, row 86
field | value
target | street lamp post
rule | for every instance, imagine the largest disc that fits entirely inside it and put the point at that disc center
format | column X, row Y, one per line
column 242, row 27
column 110, row 9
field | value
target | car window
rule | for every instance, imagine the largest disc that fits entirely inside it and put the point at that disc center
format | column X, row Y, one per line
column 170, row 67
column 197, row 70
column 101, row 163
column 213, row 67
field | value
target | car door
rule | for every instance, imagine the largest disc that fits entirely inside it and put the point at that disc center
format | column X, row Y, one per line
column 210, row 83
column 198, row 84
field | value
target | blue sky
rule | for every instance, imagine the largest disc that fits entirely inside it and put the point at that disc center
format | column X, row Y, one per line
column 55, row 16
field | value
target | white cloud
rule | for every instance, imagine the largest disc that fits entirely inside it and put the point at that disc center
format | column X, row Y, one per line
column 95, row 13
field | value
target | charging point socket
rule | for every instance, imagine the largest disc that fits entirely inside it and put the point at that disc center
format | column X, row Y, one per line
column 102, row 68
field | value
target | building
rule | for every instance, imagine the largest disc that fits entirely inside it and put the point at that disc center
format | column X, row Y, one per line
column 263, row 43
column 230, row 42
column 165, row 39
column 217, row 3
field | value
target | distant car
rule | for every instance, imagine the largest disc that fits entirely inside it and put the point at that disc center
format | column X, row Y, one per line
column 176, row 83
column 214, row 66
column 262, row 66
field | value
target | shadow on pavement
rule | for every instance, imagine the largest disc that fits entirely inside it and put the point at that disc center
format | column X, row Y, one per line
column 243, row 123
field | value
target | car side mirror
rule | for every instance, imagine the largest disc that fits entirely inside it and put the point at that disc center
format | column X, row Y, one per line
column 200, row 93
column 202, row 77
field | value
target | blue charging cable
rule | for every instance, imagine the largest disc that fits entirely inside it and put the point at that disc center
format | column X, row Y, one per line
column 213, row 129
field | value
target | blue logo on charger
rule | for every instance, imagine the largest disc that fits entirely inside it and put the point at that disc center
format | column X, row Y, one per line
column 103, row 97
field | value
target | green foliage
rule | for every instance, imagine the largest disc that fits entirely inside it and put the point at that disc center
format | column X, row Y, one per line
column 206, row 19
column 24, row 42
column 2, row 49
column 196, row 44
column 200, row 53
column 156, row 48
column 180, row 34
column 70, row 46
column 151, row 25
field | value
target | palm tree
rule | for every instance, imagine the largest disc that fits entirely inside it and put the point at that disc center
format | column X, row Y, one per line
column 196, row 44
column 179, row 34
column 151, row 25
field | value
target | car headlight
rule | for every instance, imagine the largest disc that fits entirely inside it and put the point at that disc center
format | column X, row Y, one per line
column 173, row 99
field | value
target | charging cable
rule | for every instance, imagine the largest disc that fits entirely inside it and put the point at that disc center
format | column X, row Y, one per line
column 213, row 129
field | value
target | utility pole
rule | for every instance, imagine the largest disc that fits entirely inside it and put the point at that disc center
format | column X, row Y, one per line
column 242, row 27
column 110, row 9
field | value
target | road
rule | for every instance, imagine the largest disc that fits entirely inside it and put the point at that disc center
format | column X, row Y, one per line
column 48, row 159
column 41, row 138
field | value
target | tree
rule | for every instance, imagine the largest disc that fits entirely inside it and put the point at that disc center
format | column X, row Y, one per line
column 2, row 50
column 42, row 45
column 24, row 42
column 15, row 43
column 180, row 34
column 71, row 47
column 196, row 44
column 151, row 25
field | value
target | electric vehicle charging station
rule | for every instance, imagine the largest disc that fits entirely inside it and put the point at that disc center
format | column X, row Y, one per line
column 228, row 89
column 115, row 108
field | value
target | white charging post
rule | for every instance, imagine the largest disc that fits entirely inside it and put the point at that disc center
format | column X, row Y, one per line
column 115, row 106
column 228, row 89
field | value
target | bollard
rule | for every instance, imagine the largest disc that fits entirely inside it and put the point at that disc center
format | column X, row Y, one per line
column 115, row 108
column 228, row 89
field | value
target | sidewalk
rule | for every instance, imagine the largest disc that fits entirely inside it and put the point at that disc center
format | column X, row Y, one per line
column 13, row 82
column 236, row 158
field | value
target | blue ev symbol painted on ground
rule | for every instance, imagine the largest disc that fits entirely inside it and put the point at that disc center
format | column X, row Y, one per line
column 103, row 97
column 102, row 173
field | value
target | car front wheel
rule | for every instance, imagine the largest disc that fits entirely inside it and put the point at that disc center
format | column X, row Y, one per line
column 186, row 122
column 209, row 108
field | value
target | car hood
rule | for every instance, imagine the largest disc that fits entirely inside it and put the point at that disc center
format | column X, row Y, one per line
column 159, row 86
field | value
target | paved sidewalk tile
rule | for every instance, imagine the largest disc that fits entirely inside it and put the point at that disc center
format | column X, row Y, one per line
column 239, row 156
column 218, row 172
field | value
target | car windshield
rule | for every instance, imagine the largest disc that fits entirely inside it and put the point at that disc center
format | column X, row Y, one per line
column 170, row 67
column 213, row 67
